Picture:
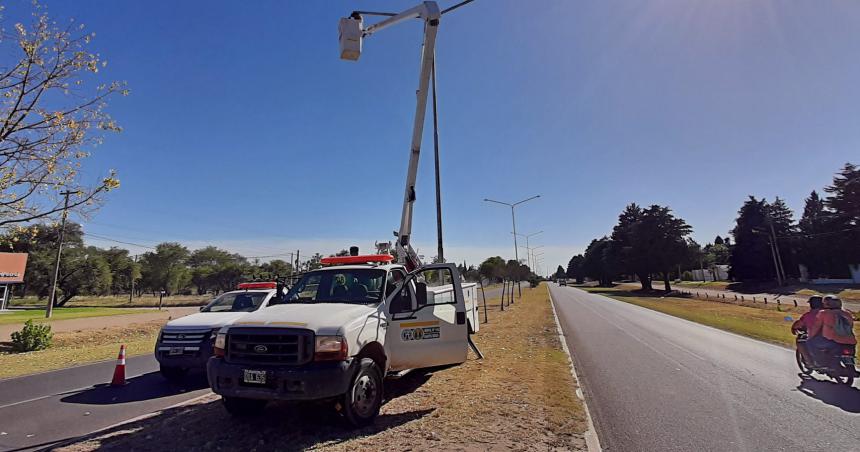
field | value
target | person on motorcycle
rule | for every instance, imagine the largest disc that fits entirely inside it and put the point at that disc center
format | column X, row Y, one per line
column 831, row 328
column 804, row 324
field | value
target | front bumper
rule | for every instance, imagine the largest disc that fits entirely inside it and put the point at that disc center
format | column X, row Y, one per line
column 306, row 382
column 192, row 357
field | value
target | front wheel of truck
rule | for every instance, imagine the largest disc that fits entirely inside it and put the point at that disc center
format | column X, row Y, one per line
column 364, row 397
column 240, row 407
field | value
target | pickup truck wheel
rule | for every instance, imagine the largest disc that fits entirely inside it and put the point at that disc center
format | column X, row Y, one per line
column 364, row 396
column 172, row 373
column 243, row 407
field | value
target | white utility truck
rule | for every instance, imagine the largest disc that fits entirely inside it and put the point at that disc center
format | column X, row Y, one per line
column 339, row 331
column 186, row 343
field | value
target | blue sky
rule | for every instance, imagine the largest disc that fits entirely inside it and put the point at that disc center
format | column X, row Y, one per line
column 245, row 130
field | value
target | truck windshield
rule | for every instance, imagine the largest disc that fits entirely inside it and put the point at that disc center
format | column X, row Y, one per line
column 363, row 286
column 236, row 302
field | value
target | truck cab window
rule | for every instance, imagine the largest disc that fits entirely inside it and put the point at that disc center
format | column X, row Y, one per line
column 402, row 301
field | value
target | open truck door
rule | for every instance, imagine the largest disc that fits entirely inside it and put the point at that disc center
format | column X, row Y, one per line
column 427, row 324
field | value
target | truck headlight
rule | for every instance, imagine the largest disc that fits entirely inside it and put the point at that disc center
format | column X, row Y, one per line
column 330, row 348
column 220, row 346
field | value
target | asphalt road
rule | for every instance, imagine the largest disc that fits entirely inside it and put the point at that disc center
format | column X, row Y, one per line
column 39, row 410
column 654, row 382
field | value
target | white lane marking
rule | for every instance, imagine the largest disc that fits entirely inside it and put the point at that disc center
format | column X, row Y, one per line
column 683, row 349
column 592, row 441
column 69, row 392
column 36, row 399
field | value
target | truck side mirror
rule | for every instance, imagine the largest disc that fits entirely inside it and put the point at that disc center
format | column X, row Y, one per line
column 421, row 294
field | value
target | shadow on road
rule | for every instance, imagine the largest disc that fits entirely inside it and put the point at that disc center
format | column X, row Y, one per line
column 846, row 398
column 144, row 387
column 280, row 426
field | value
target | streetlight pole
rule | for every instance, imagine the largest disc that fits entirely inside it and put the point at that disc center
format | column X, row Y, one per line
column 514, row 222
column 528, row 249
column 50, row 309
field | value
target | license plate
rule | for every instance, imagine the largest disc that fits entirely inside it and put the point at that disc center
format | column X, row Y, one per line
column 255, row 376
column 176, row 350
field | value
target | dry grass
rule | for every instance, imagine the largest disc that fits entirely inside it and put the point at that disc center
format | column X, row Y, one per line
column 520, row 397
column 120, row 301
column 81, row 347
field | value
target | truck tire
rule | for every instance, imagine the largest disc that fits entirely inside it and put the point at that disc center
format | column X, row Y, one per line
column 240, row 407
column 172, row 373
column 363, row 398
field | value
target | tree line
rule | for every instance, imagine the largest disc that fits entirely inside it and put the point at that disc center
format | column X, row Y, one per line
column 766, row 244
column 170, row 267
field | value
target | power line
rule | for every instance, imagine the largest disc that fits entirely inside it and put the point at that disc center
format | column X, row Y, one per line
column 118, row 241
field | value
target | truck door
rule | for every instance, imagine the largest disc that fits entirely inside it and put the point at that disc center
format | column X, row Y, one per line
column 427, row 320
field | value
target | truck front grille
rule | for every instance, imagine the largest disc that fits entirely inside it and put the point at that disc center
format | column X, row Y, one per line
column 291, row 346
column 184, row 337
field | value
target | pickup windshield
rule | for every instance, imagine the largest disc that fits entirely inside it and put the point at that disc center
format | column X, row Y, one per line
column 362, row 286
column 236, row 302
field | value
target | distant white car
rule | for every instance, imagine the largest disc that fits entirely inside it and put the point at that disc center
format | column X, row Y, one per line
column 562, row 282
column 186, row 343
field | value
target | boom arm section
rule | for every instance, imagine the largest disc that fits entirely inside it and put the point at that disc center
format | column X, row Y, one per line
column 430, row 13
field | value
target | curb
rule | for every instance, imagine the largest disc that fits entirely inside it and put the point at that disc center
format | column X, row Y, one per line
column 591, row 439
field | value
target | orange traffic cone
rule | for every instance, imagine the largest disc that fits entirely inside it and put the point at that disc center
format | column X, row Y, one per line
column 119, row 371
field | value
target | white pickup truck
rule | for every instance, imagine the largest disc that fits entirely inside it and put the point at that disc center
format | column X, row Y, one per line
column 186, row 343
column 339, row 331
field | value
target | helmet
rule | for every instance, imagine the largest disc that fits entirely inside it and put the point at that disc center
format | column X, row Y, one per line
column 832, row 302
column 815, row 302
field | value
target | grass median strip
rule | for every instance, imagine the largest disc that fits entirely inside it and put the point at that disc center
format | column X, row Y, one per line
column 82, row 347
column 765, row 322
column 520, row 397
column 38, row 315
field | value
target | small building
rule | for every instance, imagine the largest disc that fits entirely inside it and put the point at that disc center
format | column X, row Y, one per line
column 12, row 267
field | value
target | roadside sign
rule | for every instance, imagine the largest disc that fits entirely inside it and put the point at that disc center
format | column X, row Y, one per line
column 12, row 266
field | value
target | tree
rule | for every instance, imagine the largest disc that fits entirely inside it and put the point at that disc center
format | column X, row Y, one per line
column 492, row 268
column 649, row 240
column 83, row 269
column 621, row 246
column 843, row 200
column 165, row 269
column 215, row 269
column 123, row 269
column 276, row 268
column 844, row 193
column 820, row 247
column 574, row 268
column 560, row 273
column 48, row 120
column 719, row 241
column 751, row 256
column 599, row 262
column 660, row 241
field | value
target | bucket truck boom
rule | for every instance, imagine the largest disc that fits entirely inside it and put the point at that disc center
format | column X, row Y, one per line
column 352, row 32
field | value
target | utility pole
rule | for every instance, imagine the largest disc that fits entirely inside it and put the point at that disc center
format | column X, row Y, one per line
column 775, row 263
column 50, row 310
column 131, row 276
column 440, row 253
column 775, row 243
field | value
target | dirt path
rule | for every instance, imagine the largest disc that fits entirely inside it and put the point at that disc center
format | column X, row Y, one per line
column 90, row 323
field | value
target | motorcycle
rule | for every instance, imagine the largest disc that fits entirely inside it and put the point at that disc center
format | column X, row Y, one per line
column 839, row 366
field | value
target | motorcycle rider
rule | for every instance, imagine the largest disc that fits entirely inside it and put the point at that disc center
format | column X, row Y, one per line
column 831, row 328
column 804, row 324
